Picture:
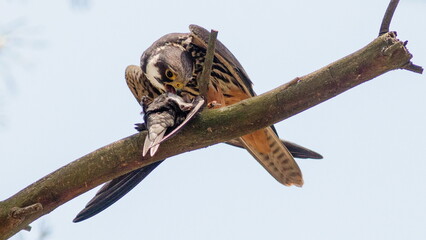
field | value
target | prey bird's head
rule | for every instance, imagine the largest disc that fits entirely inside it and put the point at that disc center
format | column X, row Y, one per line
column 168, row 67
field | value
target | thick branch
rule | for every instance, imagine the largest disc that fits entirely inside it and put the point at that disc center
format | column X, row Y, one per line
column 212, row 126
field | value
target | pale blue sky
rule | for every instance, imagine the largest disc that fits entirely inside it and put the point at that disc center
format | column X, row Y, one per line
column 70, row 98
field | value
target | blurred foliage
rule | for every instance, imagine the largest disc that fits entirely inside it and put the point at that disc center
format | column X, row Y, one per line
column 17, row 38
column 80, row 4
column 39, row 231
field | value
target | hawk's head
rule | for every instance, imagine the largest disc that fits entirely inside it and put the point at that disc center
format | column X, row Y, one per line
column 168, row 67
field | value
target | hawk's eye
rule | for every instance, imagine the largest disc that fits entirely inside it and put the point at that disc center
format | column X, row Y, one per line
column 170, row 75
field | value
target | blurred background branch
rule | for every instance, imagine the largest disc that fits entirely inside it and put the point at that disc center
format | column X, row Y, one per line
column 18, row 39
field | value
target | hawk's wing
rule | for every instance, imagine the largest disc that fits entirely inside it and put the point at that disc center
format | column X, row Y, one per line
column 296, row 150
column 201, row 38
column 138, row 83
column 113, row 190
column 263, row 144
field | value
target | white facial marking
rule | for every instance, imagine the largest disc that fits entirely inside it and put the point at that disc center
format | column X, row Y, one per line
column 152, row 73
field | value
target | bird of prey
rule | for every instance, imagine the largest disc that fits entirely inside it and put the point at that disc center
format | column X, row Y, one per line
column 173, row 64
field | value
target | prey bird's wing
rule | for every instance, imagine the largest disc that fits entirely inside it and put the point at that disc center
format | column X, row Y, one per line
column 152, row 145
column 198, row 103
column 263, row 144
column 158, row 120
column 113, row 190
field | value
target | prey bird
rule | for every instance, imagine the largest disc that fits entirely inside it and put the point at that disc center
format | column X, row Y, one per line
column 164, row 116
column 173, row 64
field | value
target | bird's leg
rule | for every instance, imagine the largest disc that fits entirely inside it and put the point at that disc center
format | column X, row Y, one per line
column 213, row 104
column 145, row 102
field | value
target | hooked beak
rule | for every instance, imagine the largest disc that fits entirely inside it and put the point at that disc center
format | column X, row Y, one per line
column 174, row 87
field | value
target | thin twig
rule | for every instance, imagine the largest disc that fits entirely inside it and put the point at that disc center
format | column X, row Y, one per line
column 413, row 67
column 203, row 82
column 27, row 228
column 20, row 213
column 384, row 28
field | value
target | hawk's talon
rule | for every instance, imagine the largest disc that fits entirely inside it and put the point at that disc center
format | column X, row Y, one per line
column 140, row 127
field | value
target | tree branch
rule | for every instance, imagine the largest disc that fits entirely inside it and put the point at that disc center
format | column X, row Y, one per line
column 384, row 28
column 413, row 68
column 385, row 53
column 20, row 213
